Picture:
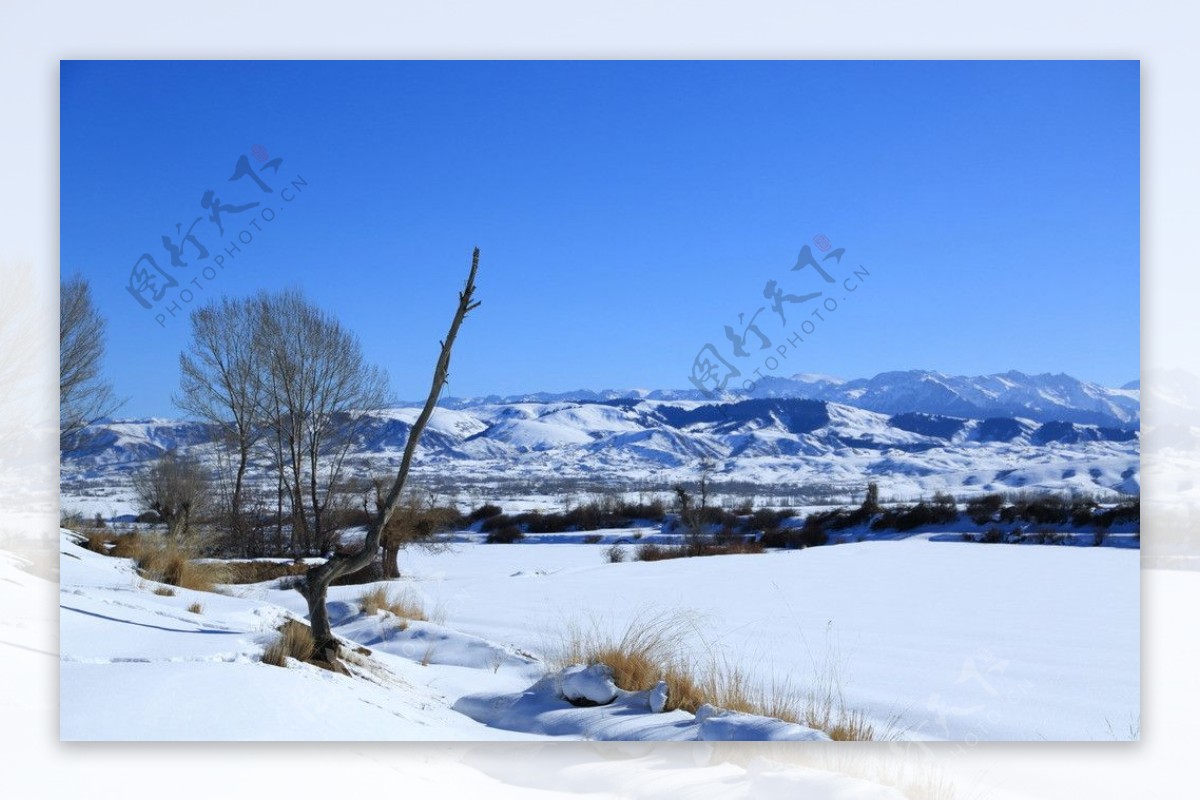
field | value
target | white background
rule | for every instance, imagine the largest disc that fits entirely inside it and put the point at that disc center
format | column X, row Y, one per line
column 33, row 37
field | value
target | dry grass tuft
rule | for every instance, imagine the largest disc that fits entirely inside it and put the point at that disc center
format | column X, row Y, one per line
column 196, row 607
column 653, row 649
column 127, row 546
column 403, row 606
column 295, row 641
column 163, row 591
column 161, row 559
column 170, row 562
column 647, row 652
column 98, row 540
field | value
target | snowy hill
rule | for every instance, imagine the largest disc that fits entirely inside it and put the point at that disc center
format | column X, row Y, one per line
column 892, row 433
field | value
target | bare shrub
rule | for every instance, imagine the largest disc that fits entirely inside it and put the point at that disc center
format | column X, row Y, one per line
column 484, row 512
column 992, row 535
column 650, row 552
column 984, row 509
column 505, row 535
column 176, row 489
column 614, row 554
column 70, row 518
column 253, row 572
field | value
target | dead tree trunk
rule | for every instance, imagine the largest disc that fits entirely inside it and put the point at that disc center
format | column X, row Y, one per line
column 316, row 582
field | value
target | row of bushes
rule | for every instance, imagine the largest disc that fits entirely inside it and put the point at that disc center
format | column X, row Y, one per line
column 1051, row 510
column 585, row 517
column 939, row 511
column 766, row 526
column 653, row 552
column 995, row 534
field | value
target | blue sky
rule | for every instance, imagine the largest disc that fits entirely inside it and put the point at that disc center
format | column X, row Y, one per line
column 626, row 212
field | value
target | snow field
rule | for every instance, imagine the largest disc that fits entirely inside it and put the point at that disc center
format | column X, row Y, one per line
column 928, row 640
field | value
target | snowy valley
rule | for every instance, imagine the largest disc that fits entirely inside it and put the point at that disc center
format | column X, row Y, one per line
column 935, row 632
column 900, row 432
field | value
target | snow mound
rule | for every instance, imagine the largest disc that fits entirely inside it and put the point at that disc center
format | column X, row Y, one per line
column 544, row 709
column 722, row 724
column 588, row 685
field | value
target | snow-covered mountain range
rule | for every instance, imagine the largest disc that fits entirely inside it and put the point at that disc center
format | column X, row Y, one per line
column 1044, row 398
column 912, row 432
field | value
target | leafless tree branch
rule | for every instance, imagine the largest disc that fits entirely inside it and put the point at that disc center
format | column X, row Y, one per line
column 317, row 580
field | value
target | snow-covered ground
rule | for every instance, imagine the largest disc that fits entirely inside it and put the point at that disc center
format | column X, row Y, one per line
column 930, row 640
column 936, row 639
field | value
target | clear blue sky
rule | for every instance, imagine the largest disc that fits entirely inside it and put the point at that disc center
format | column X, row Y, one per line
column 626, row 211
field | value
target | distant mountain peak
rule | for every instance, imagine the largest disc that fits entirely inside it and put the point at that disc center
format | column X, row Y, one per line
column 1042, row 397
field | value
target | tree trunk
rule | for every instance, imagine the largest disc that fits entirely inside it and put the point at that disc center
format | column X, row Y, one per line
column 238, row 521
column 279, row 505
column 315, row 586
column 391, row 552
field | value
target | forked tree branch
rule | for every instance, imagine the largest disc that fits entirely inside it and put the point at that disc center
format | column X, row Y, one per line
column 319, row 577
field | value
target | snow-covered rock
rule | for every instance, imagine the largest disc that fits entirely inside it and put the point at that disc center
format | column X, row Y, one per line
column 588, row 685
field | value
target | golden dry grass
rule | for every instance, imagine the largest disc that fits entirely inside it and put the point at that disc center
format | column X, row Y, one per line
column 173, row 563
column 403, row 606
column 196, row 607
column 176, row 562
column 252, row 572
column 295, row 640
column 161, row 559
column 652, row 649
column 97, row 540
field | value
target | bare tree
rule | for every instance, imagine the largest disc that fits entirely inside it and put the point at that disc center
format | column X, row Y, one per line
column 176, row 489
column 316, row 393
column 695, row 517
column 83, row 394
column 220, row 382
column 315, row 584
column 706, row 469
